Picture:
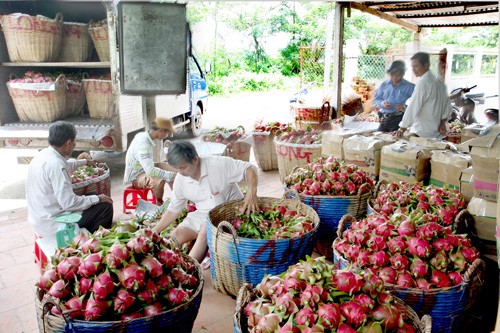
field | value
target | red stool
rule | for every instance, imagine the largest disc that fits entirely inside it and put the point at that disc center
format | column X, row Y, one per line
column 132, row 195
column 40, row 257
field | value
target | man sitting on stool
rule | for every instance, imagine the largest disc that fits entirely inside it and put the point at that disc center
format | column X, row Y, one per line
column 140, row 170
column 391, row 97
column 48, row 186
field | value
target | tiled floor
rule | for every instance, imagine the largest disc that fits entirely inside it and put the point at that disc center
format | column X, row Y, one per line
column 18, row 272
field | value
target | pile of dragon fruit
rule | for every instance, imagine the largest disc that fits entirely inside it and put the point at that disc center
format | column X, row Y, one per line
column 408, row 250
column 313, row 297
column 273, row 126
column 329, row 176
column 271, row 222
column 224, row 135
column 114, row 275
column 299, row 136
column 88, row 172
column 404, row 197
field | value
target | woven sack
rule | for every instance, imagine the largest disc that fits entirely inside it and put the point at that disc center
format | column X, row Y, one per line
column 100, row 38
column 235, row 261
column 247, row 294
column 446, row 306
column 76, row 45
column 330, row 210
column 291, row 155
column 98, row 185
column 39, row 102
column 32, row 38
column 100, row 99
column 178, row 319
column 75, row 98
column 265, row 150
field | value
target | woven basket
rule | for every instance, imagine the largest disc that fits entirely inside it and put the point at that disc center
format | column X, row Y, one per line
column 35, row 105
column 316, row 114
column 100, row 99
column 75, row 98
column 100, row 38
column 32, row 38
column 76, row 45
column 178, row 319
column 239, row 150
column 247, row 293
column 235, row 261
column 445, row 305
column 330, row 210
column 98, row 185
column 291, row 155
column 313, row 125
column 265, row 150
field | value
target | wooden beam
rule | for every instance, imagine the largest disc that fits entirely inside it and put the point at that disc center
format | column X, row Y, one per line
column 384, row 16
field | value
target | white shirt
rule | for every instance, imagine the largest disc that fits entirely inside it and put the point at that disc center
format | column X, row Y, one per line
column 430, row 103
column 218, row 184
column 49, row 192
column 139, row 159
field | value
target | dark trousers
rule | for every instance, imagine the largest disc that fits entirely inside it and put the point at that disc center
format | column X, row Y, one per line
column 100, row 214
column 391, row 123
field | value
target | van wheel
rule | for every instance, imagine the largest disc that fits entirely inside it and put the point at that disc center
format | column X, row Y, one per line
column 196, row 122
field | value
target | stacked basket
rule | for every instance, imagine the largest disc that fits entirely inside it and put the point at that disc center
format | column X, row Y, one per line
column 76, row 45
column 235, row 261
column 291, row 155
column 265, row 150
column 32, row 38
column 100, row 37
column 99, row 95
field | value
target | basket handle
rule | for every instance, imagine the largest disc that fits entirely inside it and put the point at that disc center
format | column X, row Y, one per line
column 325, row 111
column 347, row 218
column 225, row 224
column 475, row 269
column 426, row 324
column 295, row 168
column 377, row 187
column 360, row 192
column 292, row 192
column 59, row 17
column 244, row 296
column 47, row 303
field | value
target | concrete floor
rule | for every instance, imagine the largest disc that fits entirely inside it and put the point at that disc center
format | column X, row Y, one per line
column 18, row 272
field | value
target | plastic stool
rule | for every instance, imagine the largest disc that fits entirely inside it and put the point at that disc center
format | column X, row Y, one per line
column 132, row 195
column 40, row 257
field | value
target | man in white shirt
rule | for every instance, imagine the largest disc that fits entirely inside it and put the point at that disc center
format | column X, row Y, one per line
column 49, row 191
column 140, row 170
column 430, row 106
column 207, row 182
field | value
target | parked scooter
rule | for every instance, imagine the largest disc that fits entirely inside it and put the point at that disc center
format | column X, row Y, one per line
column 464, row 105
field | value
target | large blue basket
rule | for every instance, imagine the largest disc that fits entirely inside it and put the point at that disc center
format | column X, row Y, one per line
column 330, row 210
column 446, row 306
column 178, row 319
column 235, row 261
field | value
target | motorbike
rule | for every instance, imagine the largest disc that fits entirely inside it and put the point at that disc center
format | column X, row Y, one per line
column 464, row 104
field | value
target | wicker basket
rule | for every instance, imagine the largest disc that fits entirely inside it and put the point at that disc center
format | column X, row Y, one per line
column 100, row 98
column 35, row 105
column 76, row 45
column 32, row 38
column 178, row 319
column 313, row 125
column 445, row 305
column 239, row 150
column 248, row 293
column 98, row 185
column 75, row 98
column 315, row 114
column 235, row 261
column 100, row 38
column 265, row 150
column 330, row 211
column 291, row 155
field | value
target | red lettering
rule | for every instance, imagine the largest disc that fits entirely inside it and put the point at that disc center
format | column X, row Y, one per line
column 295, row 152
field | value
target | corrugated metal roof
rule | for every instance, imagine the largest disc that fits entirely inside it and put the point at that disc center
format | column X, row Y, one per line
column 430, row 14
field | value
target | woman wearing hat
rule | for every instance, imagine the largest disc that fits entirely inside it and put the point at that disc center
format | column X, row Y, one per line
column 140, row 170
column 391, row 97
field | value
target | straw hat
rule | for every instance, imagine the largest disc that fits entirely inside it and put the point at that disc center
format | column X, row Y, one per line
column 165, row 123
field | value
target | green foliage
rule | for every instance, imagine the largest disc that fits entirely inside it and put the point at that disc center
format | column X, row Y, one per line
column 465, row 37
column 247, row 81
column 489, row 64
column 462, row 64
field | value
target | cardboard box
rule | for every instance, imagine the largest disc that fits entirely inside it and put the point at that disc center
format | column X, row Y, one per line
column 405, row 161
column 485, row 152
column 332, row 142
column 432, row 143
column 364, row 151
column 485, row 217
column 447, row 167
column 466, row 179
